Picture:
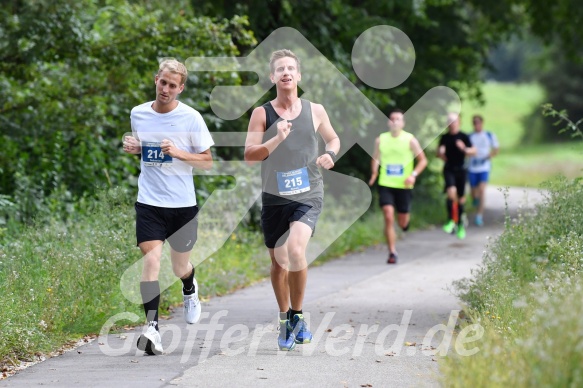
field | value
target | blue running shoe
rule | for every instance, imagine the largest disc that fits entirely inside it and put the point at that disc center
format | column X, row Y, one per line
column 286, row 338
column 300, row 329
column 479, row 220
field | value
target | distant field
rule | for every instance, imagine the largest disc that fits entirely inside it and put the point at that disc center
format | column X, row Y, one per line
column 505, row 107
column 529, row 166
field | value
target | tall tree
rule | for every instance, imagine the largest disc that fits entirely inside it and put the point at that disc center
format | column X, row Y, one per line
column 70, row 73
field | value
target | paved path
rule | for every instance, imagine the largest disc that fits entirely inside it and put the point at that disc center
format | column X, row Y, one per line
column 370, row 322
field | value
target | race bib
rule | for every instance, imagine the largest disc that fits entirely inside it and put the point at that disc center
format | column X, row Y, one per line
column 152, row 155
column 395, row 169
column 293, row 182
column 477, row 162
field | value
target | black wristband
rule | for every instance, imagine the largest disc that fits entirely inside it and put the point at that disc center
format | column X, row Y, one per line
column 332, row 155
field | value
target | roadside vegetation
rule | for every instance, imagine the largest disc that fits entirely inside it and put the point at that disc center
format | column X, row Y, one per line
column 528, row 297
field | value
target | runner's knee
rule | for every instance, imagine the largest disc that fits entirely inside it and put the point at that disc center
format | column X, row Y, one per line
column 389, row 213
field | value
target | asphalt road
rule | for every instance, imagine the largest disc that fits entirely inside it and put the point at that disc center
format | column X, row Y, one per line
column 374, row 325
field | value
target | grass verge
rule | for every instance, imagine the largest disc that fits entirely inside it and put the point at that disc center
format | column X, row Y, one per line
column 532, row 165
column 528, row 297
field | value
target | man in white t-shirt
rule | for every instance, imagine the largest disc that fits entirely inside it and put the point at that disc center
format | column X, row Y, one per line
column 172, row 138
column 487, row 147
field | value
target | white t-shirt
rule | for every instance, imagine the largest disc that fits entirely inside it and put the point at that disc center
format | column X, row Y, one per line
column 484, row 142
column 165, row 181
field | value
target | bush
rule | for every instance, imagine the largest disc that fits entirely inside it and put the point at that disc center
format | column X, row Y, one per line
column 528, row 295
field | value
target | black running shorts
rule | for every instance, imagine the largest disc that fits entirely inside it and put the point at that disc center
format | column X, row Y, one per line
column 177, row 225
column 400, row 199
column 456, row 178
column 275, row 220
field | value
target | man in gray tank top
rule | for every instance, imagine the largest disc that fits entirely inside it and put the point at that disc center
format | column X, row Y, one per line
column 283, row 135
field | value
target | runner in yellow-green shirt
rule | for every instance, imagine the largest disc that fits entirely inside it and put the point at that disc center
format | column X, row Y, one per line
column 395, row 152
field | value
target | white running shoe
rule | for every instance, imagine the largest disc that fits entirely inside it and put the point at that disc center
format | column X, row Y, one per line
column 150, row 341
column 192, row 306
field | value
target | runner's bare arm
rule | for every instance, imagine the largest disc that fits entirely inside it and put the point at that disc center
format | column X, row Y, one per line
column 324, row 127
column 421, row 162
column 493, row 152
column 419, row 156
column 441, row 152
column 466, row 147
column 255, row 149
column 471, row 151
column 375, row 162
column 203, row 160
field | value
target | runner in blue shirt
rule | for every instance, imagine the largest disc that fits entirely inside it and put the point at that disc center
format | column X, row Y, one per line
column 480, row 166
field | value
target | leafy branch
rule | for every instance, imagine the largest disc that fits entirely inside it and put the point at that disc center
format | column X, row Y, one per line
column 562, row 117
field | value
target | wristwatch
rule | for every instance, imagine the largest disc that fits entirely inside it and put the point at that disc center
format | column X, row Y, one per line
column 414, row 173
column 332, row 155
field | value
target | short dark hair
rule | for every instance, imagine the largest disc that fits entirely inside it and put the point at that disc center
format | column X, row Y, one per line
column 477, row 117
column 396, row 110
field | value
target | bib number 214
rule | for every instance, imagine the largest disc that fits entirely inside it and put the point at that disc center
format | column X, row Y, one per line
column 153, row 156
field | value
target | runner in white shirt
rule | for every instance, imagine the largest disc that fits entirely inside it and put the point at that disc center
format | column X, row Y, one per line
column 480, row 164
column 172, row 139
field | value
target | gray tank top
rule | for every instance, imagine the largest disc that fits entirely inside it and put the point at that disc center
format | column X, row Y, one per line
column 290, row 172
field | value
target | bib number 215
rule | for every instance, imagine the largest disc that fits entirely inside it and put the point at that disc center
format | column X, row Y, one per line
column 293, row 182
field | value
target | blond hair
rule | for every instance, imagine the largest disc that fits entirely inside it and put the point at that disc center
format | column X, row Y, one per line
column 282, row 54
column 175, row 67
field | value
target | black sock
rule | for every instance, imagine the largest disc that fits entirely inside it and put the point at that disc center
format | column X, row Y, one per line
column 406, row 227
column 460, row 207
column 449, row 209
column 188, row 284
column 151, row 299
column 288, row 313
column 294, row 312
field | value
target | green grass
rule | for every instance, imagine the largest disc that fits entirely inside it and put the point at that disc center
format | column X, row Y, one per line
column 506, row 107
column 58, row 281
column 528, row 165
